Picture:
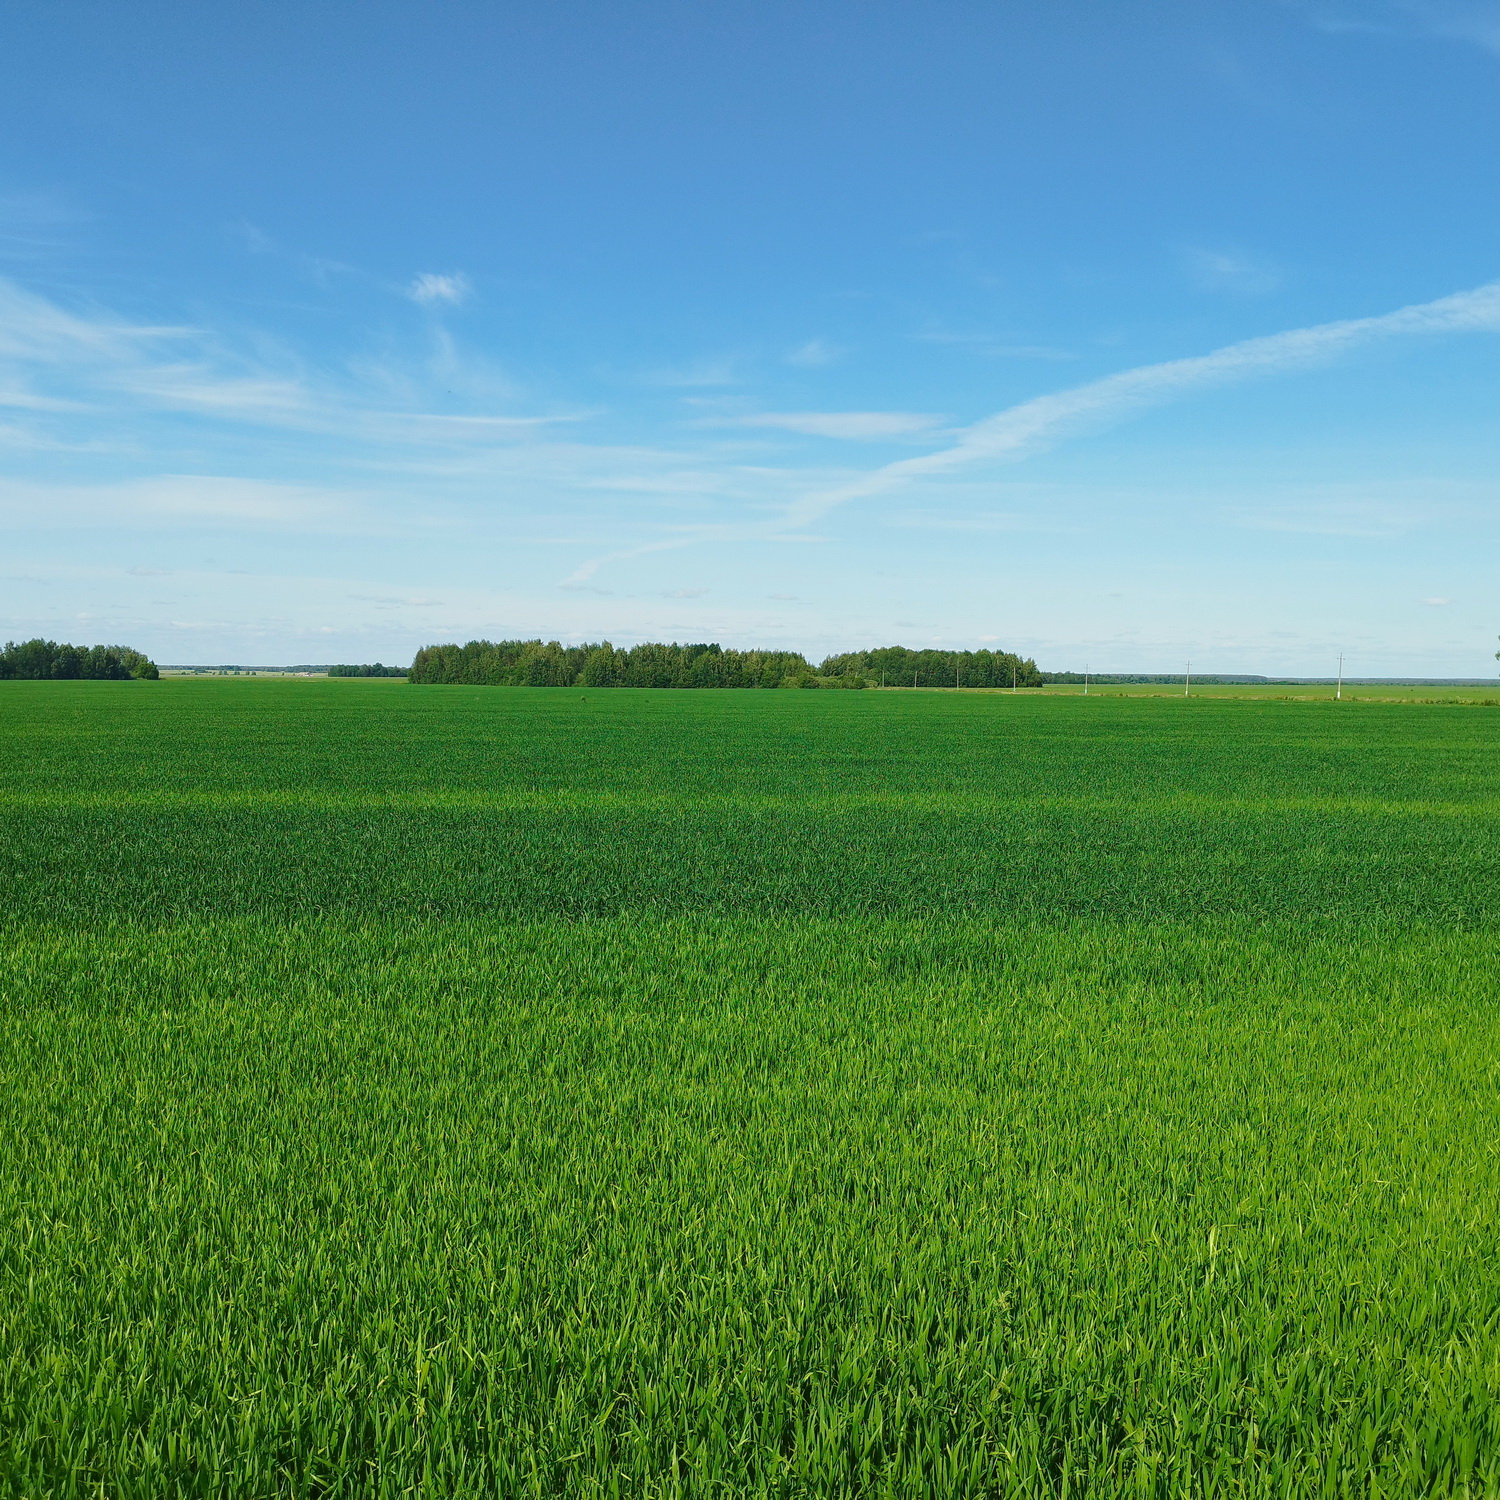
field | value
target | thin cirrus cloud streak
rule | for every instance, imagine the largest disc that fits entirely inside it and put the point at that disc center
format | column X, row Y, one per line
column 176, row 500
column 34, row 329
column 689, row 535
column 104, row 360
column 582, row 576
column 1021, row 430
column 60, row 367
column 1464, row 21
column 54, row 362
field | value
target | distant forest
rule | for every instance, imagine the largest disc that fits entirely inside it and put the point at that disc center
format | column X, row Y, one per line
column 550, row 664
column 368, row 669
column 897, row 666
column 41, row 660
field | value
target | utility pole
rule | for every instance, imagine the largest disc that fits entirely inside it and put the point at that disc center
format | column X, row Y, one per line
column 1013, row 677
column 955, row 671
column 1187, row 679
column 914, row 677
column 1085, row 679
column 1339, row 692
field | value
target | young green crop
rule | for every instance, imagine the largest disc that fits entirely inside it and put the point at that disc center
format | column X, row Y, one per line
column 511, row 1092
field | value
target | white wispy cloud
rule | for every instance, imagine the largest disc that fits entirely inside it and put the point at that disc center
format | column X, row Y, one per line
column 1021, row 430
column 28, row 400
column 1478, row 23
column 583, row 575
column 369, row 456
column 854, row 425
column 53, row 360
column 194, row 386
column 176, row 500
column 32, row 328
column 86, row 361
column 431, row 288
column 1025, row 428
column 1474, row 21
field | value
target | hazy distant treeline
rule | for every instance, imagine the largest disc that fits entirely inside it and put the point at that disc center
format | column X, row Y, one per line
column 550, row 664
column 1111, row 679
column 41, row 660
column 365, row 669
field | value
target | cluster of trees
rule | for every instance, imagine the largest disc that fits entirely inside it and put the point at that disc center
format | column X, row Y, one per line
column 897, row 666
column 43, row 660
column 549, row 664
column 367, row 669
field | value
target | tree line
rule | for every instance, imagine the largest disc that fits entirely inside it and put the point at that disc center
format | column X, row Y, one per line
column 551, row 664
column 365, row 669
column 40, row 660
column 899, row 666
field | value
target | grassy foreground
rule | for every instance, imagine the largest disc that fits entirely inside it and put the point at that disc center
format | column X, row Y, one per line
column 446, row 1091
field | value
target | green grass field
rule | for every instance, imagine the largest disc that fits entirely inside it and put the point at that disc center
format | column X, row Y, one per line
column 447, row 1091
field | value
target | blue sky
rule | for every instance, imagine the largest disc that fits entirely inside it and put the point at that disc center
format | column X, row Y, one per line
column 1116, row 335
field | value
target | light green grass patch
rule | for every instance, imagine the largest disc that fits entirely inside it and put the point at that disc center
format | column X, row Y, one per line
column 748, row 1207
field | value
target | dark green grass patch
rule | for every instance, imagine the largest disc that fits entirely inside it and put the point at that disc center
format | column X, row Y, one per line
column 357, row 800
column 1137, row 863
